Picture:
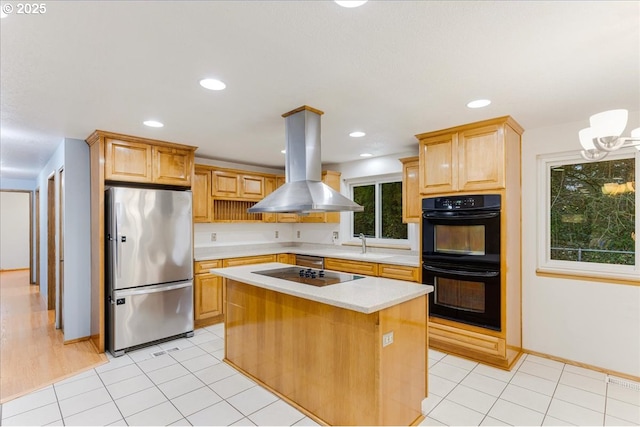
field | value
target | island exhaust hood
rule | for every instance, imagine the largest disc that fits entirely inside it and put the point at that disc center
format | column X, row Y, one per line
column 304, row 190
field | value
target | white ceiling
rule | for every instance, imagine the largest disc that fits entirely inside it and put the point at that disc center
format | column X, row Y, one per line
column 390, row 68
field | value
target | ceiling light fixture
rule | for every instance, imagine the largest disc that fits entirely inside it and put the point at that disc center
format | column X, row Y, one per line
column 604, row 134
column 283, row 151
column 350, row 3
column 212, row 84
column 357, row 134
column 366, row 155
column 153, row 123
column 478, row 103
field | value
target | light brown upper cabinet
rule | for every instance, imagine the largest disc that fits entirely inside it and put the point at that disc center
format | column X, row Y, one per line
column 136, row 160
column 171, row 166
column 234, row 185
column 411, row 209
column 285, row 217
column 466, row 158
column 201, row 194
column 269, row 187
column 127, row 161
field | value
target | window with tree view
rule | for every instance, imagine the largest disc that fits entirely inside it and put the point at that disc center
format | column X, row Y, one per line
column 593, row 212
column 382, row 215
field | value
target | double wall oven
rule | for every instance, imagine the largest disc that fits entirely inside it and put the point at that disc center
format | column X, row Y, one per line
column 461, row 258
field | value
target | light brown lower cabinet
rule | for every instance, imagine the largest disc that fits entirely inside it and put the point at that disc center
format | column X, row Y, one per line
column 400, row 272
column 350, row 266
column 246, row 260
column 208, row 298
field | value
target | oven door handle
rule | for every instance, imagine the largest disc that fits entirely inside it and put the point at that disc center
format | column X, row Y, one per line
column 458, row 216
column 462, row 272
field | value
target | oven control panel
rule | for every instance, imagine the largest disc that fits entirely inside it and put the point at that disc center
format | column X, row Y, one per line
column 458, row 203
column 468, row 202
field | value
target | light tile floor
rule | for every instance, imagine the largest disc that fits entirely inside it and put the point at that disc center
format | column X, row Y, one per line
column 191, row 386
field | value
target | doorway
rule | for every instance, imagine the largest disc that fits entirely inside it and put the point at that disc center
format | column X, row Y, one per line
column 37, row 203
column 59, row 311
column 51, row 242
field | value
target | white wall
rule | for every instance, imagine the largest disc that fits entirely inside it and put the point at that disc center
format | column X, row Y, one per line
column 584, row 321
column 17, row 184
column 77, row 241
column 73, row 155
column 14, row 230
column 228, row 234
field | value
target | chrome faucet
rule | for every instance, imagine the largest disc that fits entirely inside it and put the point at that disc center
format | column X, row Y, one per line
column 364, row 243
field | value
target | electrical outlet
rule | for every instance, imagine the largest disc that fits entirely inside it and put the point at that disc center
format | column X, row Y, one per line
column 277, row 234
column 298, row 234
column 214, row 237
column 335, row 235
column 387, row 339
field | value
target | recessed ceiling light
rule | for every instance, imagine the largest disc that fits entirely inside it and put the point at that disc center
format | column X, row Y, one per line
column 479, row 103
column 153, row 124
column 350, row 3
column 212, row 84
column 357, row 134
column 283, row 151
column 366, row 155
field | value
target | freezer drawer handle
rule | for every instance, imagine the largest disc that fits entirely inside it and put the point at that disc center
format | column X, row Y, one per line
column 154, row 290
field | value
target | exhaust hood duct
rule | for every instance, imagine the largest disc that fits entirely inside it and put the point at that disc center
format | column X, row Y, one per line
column 304, row 192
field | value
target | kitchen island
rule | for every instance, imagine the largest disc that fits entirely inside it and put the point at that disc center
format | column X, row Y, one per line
column 351, row 353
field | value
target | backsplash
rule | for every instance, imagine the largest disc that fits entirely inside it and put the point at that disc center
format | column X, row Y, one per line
column 227, row 234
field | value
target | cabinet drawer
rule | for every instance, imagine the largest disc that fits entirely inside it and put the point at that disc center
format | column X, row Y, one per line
column 348, row 266
column 259, row 259
column 448, row 337
column 399, row 272
column 204, row 266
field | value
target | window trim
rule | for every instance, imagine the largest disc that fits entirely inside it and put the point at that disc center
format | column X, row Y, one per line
column 545, row 265
column 376, row 180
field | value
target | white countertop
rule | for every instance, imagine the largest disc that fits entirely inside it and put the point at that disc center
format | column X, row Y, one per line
column 326, row 251
column 366, row 295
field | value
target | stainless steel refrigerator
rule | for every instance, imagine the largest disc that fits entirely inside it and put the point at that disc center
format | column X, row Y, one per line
column 149, row 273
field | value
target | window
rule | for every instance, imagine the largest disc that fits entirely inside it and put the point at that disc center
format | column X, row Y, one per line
column 382, row 215
column 590, row 214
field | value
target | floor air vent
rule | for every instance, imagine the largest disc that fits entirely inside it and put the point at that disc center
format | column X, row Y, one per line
column 623, row 383
column 161, row 352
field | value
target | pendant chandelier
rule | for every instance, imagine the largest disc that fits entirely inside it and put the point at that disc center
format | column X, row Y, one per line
column 604, row 135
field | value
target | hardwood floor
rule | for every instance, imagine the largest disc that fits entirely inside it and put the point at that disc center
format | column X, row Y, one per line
column 32, row 352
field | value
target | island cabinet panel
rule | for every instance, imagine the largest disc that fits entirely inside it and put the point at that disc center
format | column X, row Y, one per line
column 329, row 361
column 349, row 266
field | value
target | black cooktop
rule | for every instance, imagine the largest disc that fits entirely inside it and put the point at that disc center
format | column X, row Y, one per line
column 309, row 276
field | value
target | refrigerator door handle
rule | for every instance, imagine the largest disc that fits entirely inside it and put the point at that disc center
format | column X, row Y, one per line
column 154, row 289
column 117, row 239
